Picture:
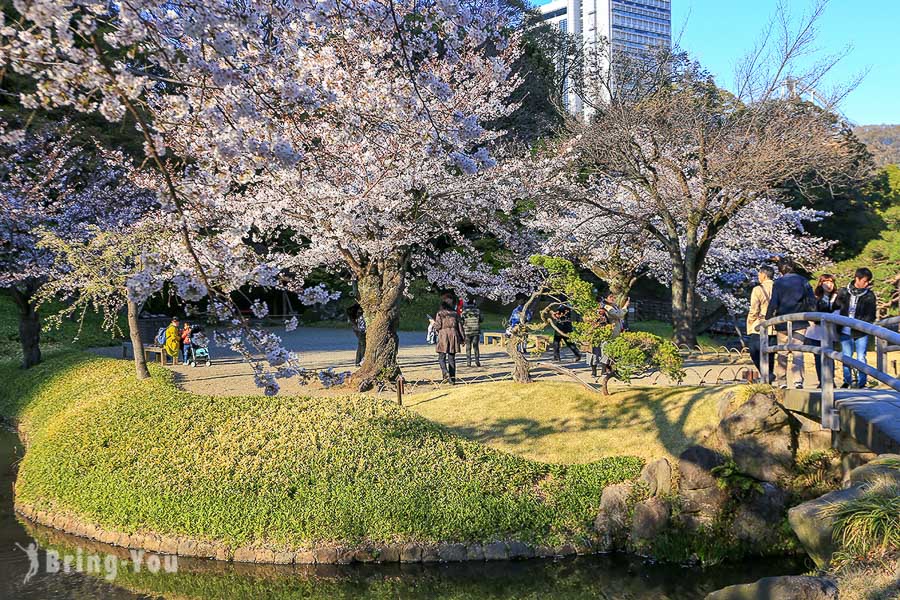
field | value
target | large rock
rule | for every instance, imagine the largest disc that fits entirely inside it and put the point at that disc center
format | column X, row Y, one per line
column 760, row 435
column 696, row 464
column 813, row 529
column 612, row 519
column 650, row 518
column 780, row 588
column 885, row 468
column 657, row 476
column 701, row 498
column 756, row 519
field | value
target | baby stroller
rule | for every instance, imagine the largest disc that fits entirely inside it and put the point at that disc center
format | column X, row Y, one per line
column 199, row 348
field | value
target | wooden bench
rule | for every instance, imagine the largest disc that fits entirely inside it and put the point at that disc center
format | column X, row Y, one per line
column 492, row 337
column 150, row 349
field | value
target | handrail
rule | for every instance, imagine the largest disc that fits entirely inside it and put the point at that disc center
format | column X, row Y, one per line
column 868, row 328
column 885, row 341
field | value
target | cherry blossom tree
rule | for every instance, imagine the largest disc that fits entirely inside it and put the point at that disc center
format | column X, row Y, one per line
column 355, row 129
column 618, row 251
column 50, row 184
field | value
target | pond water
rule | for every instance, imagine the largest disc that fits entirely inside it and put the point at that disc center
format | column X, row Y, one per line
column 109, row 572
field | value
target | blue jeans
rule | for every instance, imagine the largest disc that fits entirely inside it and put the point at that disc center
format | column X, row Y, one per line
column 849, row 346
column 187, row 352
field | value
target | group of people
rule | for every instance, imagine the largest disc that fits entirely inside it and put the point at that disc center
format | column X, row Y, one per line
column 792, row 293
column 179, row 340
column 455, row 325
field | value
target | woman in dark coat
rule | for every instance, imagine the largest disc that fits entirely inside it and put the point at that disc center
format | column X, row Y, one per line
column 450, row 338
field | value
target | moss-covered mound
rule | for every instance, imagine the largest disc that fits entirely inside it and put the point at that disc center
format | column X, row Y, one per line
column 287, row 471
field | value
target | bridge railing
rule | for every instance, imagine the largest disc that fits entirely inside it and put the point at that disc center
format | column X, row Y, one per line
column 885, row 341
column 882, row 346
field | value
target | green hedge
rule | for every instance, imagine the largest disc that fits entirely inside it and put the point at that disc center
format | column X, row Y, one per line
column 289, row 471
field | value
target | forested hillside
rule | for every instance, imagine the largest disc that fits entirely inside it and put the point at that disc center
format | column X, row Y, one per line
column 883, row 142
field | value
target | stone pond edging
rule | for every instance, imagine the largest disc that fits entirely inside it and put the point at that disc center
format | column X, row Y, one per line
column 409, row 552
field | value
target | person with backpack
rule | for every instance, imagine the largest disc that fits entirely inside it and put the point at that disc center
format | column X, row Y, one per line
column 856, row 301
column 472, row 319
column 759, row 304
column 172, row 343
column 791, row 293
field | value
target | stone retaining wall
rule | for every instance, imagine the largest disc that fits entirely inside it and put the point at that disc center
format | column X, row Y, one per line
column 411, row 552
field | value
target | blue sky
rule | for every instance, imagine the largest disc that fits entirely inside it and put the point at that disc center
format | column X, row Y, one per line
column 719, row 32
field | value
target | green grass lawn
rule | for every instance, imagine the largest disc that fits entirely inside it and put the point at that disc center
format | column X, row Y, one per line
column 666, row 331
column 68, row 336
column 291, row 471
column 562, row 422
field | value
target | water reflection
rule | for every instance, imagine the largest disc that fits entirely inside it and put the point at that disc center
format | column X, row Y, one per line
column 583, row 578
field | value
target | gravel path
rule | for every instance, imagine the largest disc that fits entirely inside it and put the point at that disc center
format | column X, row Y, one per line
column 320, row 348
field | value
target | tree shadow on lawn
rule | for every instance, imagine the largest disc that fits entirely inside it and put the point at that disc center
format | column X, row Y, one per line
column 649, row 412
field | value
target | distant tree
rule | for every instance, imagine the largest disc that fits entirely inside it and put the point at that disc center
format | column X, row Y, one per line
column 50, row 184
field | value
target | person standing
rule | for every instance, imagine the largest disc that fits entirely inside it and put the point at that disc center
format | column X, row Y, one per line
column 791, row 293
column 450, row 337
column 826, row 293
column 358, row 325
column 520, row 316
column 472, row 319
column 185, row 343
column 759, row 304
column 597, row 359
column 856, row 301
column 615, row 314
column 173, row 340
column 562, row 331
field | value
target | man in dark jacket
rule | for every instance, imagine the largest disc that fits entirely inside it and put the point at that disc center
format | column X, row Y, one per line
column 791, row 293
column 562, row 325
column 856, row 301
column 472, row 319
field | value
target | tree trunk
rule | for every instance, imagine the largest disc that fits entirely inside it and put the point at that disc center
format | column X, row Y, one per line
column 379, row 295
column 682, row 305
column 604, row 384
column 137, row 344
column 521, row 367
column 29, row 327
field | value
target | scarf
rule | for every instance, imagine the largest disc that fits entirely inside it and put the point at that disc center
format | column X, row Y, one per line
column 855, row 294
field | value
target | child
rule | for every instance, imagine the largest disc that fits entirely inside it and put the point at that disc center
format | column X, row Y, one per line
column 186, row 343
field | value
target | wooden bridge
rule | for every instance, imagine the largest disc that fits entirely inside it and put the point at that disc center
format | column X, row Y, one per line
column 870, row 417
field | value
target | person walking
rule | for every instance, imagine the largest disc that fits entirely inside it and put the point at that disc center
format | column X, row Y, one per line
column 472, row 319
column 791, row 293
column 450, row 337
column 825, row 292
column 759, row 304
column 856, row 301
column 562, row 331
column 173, row 340
column 358, row 325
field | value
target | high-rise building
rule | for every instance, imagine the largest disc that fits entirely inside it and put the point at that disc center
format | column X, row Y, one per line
column 634, row 27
